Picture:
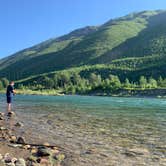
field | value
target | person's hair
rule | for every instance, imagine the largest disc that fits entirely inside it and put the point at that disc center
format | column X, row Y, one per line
column 11, row 82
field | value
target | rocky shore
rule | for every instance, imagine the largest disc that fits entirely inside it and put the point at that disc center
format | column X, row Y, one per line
column 156, row 93
column 14, row 151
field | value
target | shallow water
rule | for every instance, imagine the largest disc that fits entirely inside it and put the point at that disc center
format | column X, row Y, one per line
column 97, row 130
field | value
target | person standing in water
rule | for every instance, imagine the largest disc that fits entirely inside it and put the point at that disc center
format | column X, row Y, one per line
column 9, row 95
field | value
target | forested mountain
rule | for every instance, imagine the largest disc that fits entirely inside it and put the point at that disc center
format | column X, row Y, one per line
column 128, row 47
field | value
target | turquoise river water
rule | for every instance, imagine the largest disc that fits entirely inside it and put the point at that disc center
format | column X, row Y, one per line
column 97, row 131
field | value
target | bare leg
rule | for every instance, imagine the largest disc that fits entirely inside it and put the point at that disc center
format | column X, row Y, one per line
column 9, row 107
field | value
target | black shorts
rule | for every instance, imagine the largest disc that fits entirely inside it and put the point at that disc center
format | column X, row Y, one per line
column 9, row 99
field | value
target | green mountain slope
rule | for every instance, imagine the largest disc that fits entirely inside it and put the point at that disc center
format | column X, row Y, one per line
column 129, row 46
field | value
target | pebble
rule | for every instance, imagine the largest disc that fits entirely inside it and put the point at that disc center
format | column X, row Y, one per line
column 10, row 164
column 135, row 152
column 46, row 144
column 55, row 148
column 3, row 128
column 60, row 157
column 27, row 147
column 91, row 151
column 1, row 114
column 9, row 114
column 7, row 158
column 1, row 118
column 13, row 139
column 55, row 151
column 1, row 157
column 44, row 161
column 34, row 151
column 21, row 140
column 42, row 151
column 19, row 124
column 14, row 160
column 20, row 162
column 15, row 145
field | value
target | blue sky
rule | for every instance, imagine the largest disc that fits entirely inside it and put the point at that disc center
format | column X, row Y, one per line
column 24, row 23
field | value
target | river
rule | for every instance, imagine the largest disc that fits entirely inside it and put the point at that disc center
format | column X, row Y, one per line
column 95, row 130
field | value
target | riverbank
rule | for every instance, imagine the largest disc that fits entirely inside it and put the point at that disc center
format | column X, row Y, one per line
column 157, row 93
column 36, row 92
column 15, row 150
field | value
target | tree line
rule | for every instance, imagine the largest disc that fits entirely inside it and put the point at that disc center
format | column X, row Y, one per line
column 74, row 83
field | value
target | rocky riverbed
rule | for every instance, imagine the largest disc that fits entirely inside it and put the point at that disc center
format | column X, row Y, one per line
column 14, row 150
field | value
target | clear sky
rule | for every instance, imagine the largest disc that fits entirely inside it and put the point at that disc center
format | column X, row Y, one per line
column 24, row 23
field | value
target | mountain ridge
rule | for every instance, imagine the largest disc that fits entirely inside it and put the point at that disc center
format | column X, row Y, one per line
column 133, row 36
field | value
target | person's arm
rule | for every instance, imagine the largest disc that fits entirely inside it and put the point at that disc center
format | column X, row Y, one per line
column 12, row 90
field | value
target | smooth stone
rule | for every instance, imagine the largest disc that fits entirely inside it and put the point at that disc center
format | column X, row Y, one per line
column 136, row 151
column 91, row 151
column 1, row 118
column 14, row 160
column 13, row 139
column 34, row 151
column 21, row 140
column 55, row 151
column 27, row 147
column 15, row 145
column 19, row 124
column 49, row 122
column 20, row 162
column 130, row 154
column 139, row 151
column 10, row 114
column 104, row 155
column 7, row 158
column 3, row 128
column 60, row 157
column 55, row 148
column 46, row 144
column 10, row 164
column 38, row 160
column 1, row 157
column 42, row 151
column 44, row 161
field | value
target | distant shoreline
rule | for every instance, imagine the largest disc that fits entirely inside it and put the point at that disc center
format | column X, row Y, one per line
column 155, row 93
